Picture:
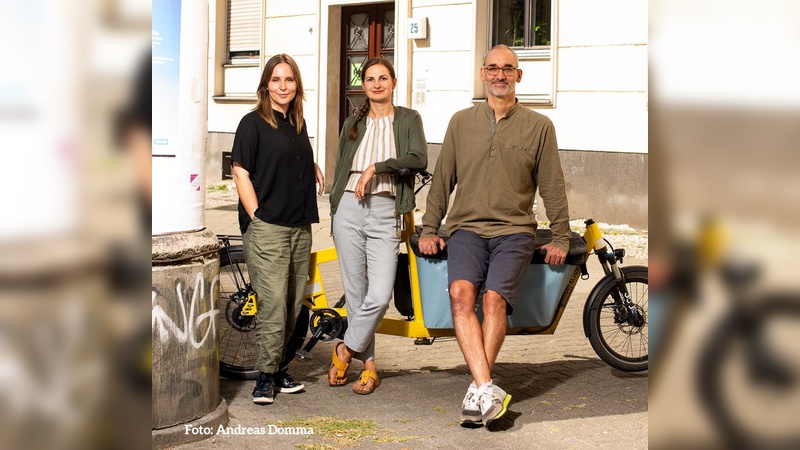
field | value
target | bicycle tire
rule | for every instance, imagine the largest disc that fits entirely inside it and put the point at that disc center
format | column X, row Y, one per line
column 237, row 343
column 620, row 344
column 736, row 387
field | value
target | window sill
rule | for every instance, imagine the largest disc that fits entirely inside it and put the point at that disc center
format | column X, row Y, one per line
column 241, row 64
column 533, row 54
column 525, row 100
column 235, row 98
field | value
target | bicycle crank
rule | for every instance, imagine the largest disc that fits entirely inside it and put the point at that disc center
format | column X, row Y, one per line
column 325, row 324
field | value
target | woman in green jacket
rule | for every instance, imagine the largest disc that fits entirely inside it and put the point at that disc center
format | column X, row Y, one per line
column 367, row 196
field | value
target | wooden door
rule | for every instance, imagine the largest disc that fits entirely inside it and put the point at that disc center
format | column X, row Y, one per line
column 368, row 32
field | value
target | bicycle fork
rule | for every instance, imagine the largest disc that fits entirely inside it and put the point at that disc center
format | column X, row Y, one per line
column 624, row 309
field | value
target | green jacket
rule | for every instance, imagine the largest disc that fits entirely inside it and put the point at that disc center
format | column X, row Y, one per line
column 412, row 153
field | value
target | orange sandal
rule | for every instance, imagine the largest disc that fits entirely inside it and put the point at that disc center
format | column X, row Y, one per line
column 341, row 369
column 360, row 386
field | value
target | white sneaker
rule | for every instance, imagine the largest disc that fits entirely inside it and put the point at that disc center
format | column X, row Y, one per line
column 499, row 393
column 492, row 407
column 470, row 411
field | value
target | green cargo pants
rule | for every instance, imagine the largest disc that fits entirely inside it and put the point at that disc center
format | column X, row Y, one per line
column 277, row 260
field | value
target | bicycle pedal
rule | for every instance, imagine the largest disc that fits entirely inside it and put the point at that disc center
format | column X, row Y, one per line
column 249, row 308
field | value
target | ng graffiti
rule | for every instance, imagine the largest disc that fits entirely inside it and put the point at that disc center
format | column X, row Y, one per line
column 190, row 322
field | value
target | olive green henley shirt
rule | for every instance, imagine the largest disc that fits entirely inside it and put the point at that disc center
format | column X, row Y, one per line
column 498, row 167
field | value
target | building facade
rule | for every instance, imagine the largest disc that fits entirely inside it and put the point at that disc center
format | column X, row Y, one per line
column 584, row 65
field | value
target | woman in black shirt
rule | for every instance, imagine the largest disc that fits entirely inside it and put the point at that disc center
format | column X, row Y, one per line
column 275, row 175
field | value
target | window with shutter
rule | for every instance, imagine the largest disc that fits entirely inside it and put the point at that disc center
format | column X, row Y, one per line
column 243, row 30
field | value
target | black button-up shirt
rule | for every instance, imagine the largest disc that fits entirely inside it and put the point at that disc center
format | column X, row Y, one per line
column 281, row 167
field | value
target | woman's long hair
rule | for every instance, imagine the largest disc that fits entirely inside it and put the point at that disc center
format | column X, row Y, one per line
column 264, row 105
column 365, row 106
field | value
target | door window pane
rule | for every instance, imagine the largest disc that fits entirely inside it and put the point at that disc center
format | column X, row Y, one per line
column 358, row 33
column 387, row 31
column 354, row 101
column 354, row 65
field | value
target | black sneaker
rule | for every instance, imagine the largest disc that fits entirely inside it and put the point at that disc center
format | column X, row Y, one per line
column 264, row 392
column 286, row 384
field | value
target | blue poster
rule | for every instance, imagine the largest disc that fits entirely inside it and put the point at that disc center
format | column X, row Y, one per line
column 166, row 76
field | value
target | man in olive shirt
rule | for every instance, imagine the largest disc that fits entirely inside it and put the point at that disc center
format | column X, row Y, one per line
column 498, row 153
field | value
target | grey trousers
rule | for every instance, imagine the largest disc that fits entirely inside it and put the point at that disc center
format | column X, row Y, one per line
column 277, row 261
column 367, row 244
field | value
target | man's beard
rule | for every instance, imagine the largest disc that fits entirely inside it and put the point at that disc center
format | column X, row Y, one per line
column 501, row 90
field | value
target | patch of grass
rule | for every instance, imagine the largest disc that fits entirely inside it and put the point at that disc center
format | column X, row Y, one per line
column 571, row 407
column 341, row 432
column 438, row 410
column 404, row 420
column 218, row 187
column 314, row 447
column 389, row 439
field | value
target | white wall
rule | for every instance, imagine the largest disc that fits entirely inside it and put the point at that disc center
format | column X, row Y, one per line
column 601, row 100
column 600, row 63
column 444, row 62
column 289, row 27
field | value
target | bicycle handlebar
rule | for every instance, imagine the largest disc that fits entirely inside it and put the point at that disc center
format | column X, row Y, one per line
column 405, row 172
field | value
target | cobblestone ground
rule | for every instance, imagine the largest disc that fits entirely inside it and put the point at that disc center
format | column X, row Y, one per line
column 564, row 396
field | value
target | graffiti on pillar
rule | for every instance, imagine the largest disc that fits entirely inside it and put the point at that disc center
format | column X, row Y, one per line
column 189, row 327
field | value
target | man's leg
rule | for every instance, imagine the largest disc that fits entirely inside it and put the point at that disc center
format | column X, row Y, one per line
column 463, row 295
column 468, row 257
column 494, row 326
column 509, row 257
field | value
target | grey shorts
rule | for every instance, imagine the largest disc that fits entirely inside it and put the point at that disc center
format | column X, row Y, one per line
column 498, row 263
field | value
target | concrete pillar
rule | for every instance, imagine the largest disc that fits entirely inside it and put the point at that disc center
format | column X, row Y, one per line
column 185, row 294
column 185, row 321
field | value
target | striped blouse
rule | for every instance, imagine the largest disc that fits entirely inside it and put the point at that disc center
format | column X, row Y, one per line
column 377, row 145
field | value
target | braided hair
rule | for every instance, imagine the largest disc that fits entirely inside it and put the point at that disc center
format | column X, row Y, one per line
column 364, row 109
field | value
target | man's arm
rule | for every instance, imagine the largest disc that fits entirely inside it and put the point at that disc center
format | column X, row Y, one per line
column 444, row 180
column 550, row 178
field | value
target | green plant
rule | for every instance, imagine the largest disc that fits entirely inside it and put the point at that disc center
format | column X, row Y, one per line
column 515, row 32
column 541, row 33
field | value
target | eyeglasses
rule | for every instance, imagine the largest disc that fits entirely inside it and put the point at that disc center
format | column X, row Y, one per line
column 507, row 71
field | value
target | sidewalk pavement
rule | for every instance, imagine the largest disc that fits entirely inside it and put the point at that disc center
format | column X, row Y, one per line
column 564, row 396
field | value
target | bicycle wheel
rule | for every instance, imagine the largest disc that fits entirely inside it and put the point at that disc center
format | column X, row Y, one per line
column 618, row 337
column 748, row 375
column 237, row 342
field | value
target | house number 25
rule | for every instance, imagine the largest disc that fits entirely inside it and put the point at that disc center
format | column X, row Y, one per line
column 414, row 28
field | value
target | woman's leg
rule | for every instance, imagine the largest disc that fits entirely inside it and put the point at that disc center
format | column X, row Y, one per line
column 350, row 244
column 382, row 245
column 267, row 252
column 300, row 243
